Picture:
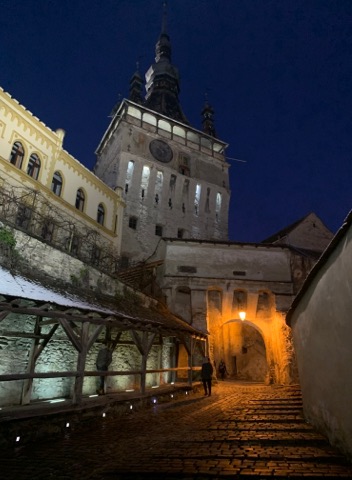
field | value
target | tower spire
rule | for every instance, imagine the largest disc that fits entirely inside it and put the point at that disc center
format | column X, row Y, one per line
column 162, row 78
column 208, row 118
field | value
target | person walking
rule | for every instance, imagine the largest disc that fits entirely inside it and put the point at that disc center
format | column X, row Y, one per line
column 206, row 375
column 222, row 370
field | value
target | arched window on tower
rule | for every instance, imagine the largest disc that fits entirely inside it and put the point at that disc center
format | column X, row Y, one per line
column 207, row 207
column 197, row 199
column 101, row 214
column 17, row 154
column 218, row 206
column 129, row 175
column 145, row 181
column 158, row 188
column 33, row 166
column 80, row 200
column 56, row 184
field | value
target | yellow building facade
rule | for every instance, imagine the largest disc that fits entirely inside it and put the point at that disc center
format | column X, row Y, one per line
column 46, row 192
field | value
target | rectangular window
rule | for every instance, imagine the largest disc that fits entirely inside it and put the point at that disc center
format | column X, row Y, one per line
column 132, row 223
column 159, row 230
column 180, row 233
column 187, row 269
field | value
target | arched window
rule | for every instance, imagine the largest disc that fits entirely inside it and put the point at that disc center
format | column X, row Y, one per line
column 129, row 175
column 158, row 188
column 33, row 166
column 145, row 181
column 56, row 184
column 197, row 198
column 80, row 199
column 239, row 302
column 218, row 205
column 17, row 154
column 215, row 300
column 101, row 214
column 264, row 304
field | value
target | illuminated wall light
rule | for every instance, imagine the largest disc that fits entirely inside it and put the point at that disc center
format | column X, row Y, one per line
column 131, row 407
column 67, row 424
column 18, row 439
column 172, row 396
column 95, row 395
column 104, row 415
column 172, row 383
column 186, row 393
column 154, row 400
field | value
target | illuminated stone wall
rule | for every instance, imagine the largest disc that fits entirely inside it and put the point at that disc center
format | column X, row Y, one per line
column 163, row 192
column 51, row 266
column 215, row 279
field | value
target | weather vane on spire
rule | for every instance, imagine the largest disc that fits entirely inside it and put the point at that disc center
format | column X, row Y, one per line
column 163, row 25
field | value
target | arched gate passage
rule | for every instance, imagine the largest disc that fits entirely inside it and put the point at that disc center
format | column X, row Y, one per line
column 243, row 350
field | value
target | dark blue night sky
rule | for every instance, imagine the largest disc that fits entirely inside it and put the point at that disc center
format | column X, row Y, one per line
column 277, row 72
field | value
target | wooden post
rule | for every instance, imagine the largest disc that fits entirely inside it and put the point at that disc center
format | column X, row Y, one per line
column 28, row 384
column 144, row 345
column 190, row 361
column 34, row 354
column 143, row 375
column 81, row 362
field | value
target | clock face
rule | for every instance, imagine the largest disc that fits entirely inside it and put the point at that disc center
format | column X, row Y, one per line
column 161, row 151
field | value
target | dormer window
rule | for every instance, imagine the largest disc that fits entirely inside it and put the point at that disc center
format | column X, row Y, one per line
column 184, row 164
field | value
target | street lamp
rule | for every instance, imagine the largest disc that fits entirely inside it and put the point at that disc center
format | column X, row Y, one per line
column 242, row 315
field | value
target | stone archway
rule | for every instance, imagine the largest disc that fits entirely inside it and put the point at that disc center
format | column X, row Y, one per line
column 243, row 350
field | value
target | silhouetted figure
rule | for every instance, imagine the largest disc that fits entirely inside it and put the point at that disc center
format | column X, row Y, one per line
column 104, row 359
column 222, row 369
column 206, row 375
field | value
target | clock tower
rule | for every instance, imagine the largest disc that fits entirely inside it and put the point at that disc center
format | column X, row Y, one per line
column 174, row 177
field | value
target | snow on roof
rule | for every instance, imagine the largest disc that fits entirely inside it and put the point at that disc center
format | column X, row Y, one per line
column 18, row 286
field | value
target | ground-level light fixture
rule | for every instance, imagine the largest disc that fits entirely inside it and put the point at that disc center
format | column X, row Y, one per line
column 242, row 315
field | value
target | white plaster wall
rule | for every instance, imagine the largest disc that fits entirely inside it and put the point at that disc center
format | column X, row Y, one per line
column 322, row 333
column 221, row 261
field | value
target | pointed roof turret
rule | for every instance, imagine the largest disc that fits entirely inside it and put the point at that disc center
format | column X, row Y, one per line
column 162, row 79
column 136, row 87
column 116, row 106
column 208, row 119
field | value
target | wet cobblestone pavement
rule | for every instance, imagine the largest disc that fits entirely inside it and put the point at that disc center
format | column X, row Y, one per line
column 241, row 431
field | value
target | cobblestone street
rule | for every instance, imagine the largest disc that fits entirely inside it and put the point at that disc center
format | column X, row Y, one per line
column 242, row 430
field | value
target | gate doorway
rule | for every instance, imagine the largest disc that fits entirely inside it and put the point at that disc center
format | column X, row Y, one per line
column 244, row 352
